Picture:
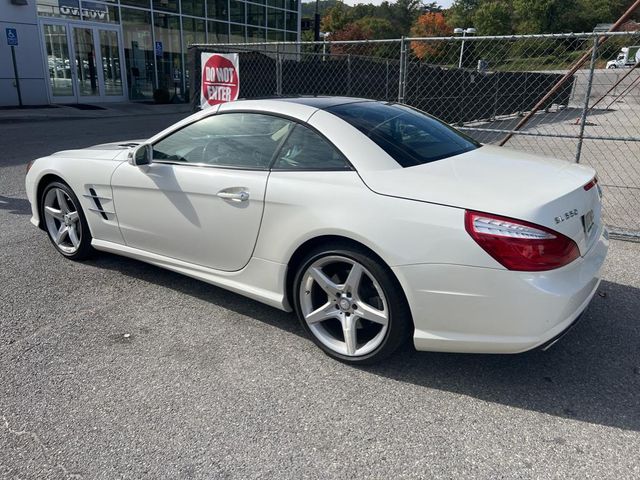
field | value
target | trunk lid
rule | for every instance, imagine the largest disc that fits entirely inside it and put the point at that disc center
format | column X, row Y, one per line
column 504, row 182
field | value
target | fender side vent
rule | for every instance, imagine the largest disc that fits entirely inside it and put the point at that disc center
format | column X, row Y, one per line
column 96, row 199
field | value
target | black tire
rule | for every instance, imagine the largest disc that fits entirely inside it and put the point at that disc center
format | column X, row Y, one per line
column 84, row 250
column 400, row 323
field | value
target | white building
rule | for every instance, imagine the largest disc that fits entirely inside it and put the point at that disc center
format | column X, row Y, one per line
column 77, row 51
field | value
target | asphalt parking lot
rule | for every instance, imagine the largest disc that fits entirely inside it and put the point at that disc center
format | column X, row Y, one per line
column 116, row 369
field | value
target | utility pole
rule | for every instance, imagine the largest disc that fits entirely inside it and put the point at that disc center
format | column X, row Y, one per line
column 316, row 23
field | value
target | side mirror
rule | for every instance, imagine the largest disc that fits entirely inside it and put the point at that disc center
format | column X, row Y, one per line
column 141, row 155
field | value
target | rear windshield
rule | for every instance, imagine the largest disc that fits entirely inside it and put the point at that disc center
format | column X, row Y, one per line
column 409, row 136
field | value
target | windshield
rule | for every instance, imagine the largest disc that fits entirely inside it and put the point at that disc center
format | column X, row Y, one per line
column 409, row 136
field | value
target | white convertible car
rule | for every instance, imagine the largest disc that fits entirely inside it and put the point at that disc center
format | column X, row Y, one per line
column 373, row 221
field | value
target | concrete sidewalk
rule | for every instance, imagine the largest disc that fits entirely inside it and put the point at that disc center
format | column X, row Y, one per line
column 88, row 111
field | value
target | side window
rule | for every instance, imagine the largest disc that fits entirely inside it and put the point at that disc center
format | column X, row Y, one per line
column 306, row 150
column 236, row 140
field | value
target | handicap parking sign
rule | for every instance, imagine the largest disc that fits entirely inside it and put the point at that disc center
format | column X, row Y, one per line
column 12, row 37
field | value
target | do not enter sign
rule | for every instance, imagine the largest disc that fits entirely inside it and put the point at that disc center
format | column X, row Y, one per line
column 220, row 78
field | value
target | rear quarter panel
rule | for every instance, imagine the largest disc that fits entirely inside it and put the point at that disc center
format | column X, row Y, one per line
column 300, row 206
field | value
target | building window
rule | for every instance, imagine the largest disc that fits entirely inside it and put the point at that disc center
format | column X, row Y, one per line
column 166, row 5
column 275, row 18
column 292, row 21
column 218, row 32
column 255, row 14
column 236, row 11
column 275, row 36
column 255, row 35
column 169, row 65
column 237, row 33
column 276, row 3
column 193, row 31
column 137, row 3
column 218, row 10
column 138, row 52
column 193, row 7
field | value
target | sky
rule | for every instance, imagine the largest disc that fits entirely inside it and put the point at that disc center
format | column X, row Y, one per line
column 444, row 3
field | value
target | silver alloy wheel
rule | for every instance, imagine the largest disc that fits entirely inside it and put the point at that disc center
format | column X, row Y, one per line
column 62, row 219
column 344, row 306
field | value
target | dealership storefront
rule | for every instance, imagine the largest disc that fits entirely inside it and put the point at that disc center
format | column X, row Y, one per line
column 118, row 50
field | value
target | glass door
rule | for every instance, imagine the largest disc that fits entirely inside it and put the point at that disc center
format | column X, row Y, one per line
column 84, row 62
column 61, row 75
column 111, row 63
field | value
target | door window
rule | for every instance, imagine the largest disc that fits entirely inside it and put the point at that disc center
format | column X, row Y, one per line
column 235, row 140
column 306, row 150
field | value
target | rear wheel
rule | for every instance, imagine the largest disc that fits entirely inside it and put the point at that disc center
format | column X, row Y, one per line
column 65, row 222
column 351, row 305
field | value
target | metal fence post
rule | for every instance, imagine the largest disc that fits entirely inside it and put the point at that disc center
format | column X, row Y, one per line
column 401, row 79
column 278, row 71
column 348, row 74
column 386, row 82
column 585, row 107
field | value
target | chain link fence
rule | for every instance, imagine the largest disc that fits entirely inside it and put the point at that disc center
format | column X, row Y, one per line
column 483, row 86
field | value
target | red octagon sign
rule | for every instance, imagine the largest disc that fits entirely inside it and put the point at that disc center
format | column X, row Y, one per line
column 220, row 82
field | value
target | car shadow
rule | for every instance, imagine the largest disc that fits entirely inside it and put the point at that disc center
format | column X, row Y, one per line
column 16, row 206
column 200, row 290
column 591, row 375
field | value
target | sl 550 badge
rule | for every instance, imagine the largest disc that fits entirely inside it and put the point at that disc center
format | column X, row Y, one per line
column 567, row 215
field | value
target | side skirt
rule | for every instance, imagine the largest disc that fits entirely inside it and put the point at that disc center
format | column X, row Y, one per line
column 260, row 280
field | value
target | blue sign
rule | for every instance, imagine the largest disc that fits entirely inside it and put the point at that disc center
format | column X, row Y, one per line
column 159, row 49
column 12, row 37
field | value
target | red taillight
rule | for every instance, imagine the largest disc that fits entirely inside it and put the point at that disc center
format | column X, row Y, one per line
column 520, row 245
column 591, row 184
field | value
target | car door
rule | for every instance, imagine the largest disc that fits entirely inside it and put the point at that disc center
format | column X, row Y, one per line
column 201, row 198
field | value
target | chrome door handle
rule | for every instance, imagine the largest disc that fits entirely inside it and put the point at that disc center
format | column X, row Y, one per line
column 234, row 196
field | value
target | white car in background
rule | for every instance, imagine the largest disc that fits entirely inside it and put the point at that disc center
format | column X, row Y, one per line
column 373, row 221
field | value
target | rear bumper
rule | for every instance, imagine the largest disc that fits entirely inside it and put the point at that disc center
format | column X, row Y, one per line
column 459, row 308
column 550, row 343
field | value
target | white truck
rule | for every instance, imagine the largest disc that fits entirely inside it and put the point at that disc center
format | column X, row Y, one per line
column 627, row 57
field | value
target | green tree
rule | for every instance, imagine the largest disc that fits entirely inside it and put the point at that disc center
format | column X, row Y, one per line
column 309, row 8
column 432, row 7
column 460, row 15
column 336, row 18
column 544, row 16
column 402, row 14
column 376, row 28
column 493, row 18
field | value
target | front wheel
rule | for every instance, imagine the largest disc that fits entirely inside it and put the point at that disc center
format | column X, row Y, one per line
column 65, row 222
column 351, row 305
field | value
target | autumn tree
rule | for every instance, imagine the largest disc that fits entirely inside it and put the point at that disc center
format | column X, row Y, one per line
column 366, row 28
column 431, row 24
column 337, row 18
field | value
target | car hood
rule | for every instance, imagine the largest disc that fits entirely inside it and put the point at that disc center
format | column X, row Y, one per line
column 501, row 181
column 104, row 151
